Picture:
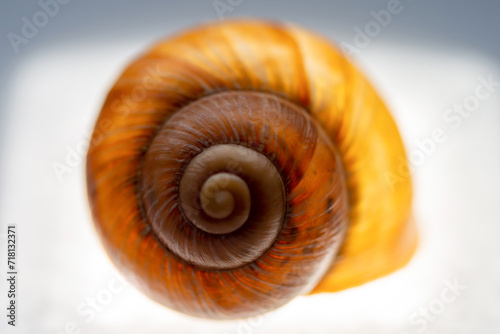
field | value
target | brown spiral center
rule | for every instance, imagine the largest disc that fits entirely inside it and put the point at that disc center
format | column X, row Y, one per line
column 218, row 194
column 226, row 198
column 221, row 182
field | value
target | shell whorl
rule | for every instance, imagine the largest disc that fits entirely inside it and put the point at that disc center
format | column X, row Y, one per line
column 251, row 136
column 230, row 163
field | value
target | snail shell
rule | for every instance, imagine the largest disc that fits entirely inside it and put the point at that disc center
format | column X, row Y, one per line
column 238, row 165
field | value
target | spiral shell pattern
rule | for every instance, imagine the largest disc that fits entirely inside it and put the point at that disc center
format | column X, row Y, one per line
column 287, row 132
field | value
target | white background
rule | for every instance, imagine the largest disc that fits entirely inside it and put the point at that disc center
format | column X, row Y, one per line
column 427, row 59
